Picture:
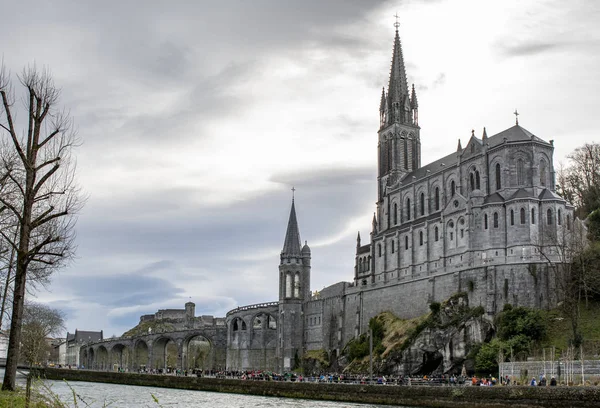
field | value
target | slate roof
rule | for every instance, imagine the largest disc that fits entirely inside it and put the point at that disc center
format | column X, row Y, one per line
column 291, row 244
column 513, row 134
column 81, row 336
column 548, row 195
column 521, row 193
column 493, row 198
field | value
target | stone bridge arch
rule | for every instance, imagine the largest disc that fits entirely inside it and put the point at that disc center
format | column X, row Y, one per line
column 203, row 348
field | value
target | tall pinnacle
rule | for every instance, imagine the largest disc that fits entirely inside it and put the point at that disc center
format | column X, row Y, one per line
column 398, row 86
column 291, row 245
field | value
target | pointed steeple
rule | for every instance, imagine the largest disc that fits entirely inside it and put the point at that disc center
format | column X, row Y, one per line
column 374, row 223
column 459, row 148
column 382, row 103
column 413, row 98
column 485, row 136
column 397, row 95
column 291, row 245
column 358, row 240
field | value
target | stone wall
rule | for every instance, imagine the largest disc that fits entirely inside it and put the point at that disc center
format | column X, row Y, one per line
column 422, row 396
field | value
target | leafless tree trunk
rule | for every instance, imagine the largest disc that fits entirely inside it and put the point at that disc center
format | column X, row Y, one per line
column 38, row 197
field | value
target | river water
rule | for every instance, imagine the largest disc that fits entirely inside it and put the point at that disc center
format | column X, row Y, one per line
column 100, row 395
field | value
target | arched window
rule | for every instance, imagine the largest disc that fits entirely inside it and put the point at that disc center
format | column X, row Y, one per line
column 522, row 215
column 393, row 246
column 422, row 204
column 297, row 286
column 405, row 153
column 437, row 198
column 288, row 285
column 452, row 188
column 379, row 249
column 520, row 172
column 420, row 237
column 235, row 325
column 408, row 209
column 512, row 217
column 498, row 177
column 549, row 216
column 559, row 219
column 360, row 265
column 495, row 220
column 485, row 221
column 533, row 215
column 395, row 213
column 472, row 182
column 543, row 172
column 436, row 234
column 243, row 325
column 477, row 180
column 406, row 242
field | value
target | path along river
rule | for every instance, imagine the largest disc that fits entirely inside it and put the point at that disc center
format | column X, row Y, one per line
column 97, row 395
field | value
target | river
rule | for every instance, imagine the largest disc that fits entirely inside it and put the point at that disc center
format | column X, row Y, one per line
column 100, row 395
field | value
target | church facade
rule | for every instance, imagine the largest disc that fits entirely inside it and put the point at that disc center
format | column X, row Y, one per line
column 480, row 220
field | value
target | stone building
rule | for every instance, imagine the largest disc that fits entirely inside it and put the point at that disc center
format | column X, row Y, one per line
column 479, row 220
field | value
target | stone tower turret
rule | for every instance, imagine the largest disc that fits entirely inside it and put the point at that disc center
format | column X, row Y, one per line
column 399, row 147
column 294, row 290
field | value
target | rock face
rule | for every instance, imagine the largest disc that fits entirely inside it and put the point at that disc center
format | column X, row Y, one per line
column 441, row 343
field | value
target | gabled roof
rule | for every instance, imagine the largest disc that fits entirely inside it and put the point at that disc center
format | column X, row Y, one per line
column 521, row 193
column 548, row 195
column 513, row 134
column 493, row 199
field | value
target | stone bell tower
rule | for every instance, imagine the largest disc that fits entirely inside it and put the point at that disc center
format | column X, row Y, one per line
column 294, row 290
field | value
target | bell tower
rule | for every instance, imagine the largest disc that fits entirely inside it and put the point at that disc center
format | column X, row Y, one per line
column 399, row 143
column 294, row 291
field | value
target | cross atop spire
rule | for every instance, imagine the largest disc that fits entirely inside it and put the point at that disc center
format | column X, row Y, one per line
column 396, row 24
column 516, row 117
column 293, row 192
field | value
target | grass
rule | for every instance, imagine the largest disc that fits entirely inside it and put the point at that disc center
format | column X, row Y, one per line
column 560, row 331
column 16, row 399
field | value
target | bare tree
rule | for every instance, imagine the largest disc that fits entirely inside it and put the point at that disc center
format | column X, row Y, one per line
column 39, row 198
column 39, row 322
column 580, row 182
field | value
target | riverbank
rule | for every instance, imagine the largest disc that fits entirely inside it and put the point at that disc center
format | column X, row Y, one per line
column 468, row 396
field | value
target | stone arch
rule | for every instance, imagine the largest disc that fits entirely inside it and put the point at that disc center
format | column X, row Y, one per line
column 408, row 208
column 120, row 357
column 141, row 354
column 165, row 353
column 264, row 321
column 197, row 352
column 102, row 358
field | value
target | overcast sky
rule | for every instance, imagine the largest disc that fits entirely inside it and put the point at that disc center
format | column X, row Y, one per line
column 198, row 117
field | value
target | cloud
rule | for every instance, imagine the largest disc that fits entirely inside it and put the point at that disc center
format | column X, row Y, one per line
column 525, row 49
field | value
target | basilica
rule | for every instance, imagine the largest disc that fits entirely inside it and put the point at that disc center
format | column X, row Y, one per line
column 481, row 220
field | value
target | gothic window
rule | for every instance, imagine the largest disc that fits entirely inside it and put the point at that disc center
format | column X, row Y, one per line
column 389, row 154
column 495, row 220
column 512, row 217
column 498, row 177
column 522, row 215
column 549, row 216
column 379, row 249
column 235, row 325
column 393, row 246
column 422, row 204
column 288, row 285
column 462, row 232
column 406, row 242
column 533, row 215
column 472, row 182
column 559, row 219
column 485, row 221
column 395, row 213
column 543, row 172
column 437, row 198
column 360, row 264
column 297, row 286
column 405, row 153
column 568, row 222
column 477, row 180
column 451, row 236
column 408, row 209
column 520, row 172
column 452, row 188
column 243, row 325
column 421, row 238
column 436, row 234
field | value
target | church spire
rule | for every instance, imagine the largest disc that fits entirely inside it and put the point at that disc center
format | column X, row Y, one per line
column 397, row 95
column 291, row 245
